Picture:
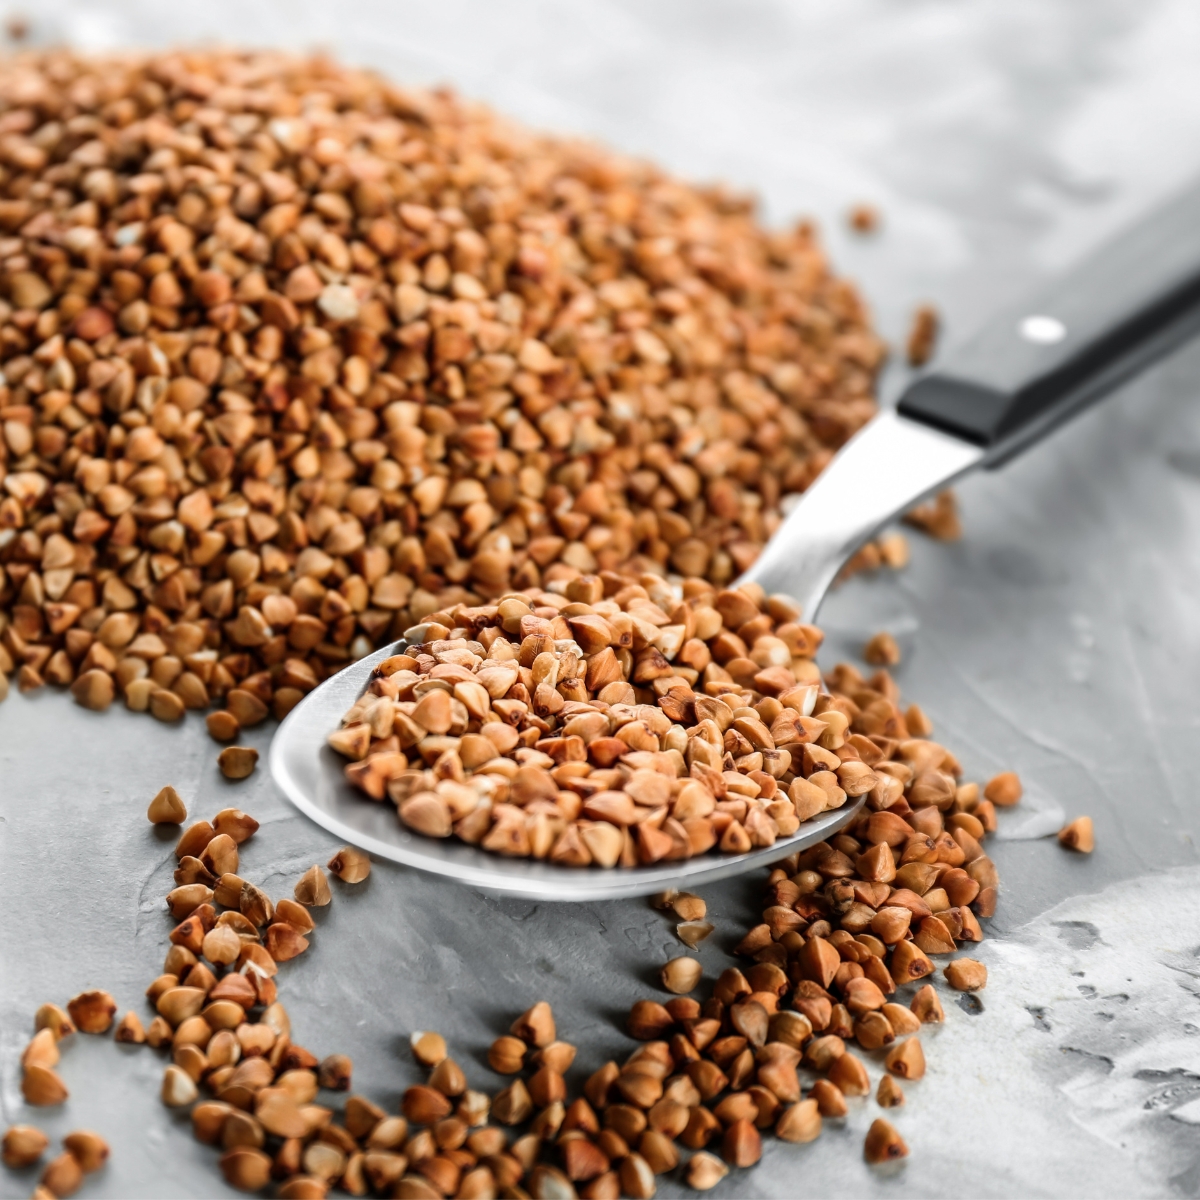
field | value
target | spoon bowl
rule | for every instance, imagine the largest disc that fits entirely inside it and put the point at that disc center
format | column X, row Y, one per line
column 312, row 777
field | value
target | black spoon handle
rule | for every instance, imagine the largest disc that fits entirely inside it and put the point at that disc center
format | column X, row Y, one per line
column 1037, row 365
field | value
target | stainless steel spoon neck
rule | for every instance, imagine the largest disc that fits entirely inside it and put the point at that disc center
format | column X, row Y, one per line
column 891, row 464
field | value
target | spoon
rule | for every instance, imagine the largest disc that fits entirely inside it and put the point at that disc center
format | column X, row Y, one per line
column 1028, row 371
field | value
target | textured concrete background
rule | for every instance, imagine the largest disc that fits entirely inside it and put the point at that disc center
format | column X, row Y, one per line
column 1060, row 638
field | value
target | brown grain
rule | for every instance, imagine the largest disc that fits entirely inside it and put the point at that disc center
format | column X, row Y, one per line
column 23, row 1145
column 1078, row 835
column 312, row 889
column 63, row 1176
column 350, row 865
column 966, row 975
column 883, row 1143
column 92, row 1012
column 938, row 518
column 681, row 975
column 922, row 335
column 167, row 808
column 1004, row 790
column 882, row 651
column 90, row 1149
column 864, row 219
column 237, row 762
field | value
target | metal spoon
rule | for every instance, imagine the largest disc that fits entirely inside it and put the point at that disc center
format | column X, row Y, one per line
column 1027, row 372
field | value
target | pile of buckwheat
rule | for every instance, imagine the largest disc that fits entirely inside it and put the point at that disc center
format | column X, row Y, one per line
column 612, row 722
column 293, row 357
column 841, row 959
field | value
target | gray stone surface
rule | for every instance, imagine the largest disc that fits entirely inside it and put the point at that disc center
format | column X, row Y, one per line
column 1059, row 638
